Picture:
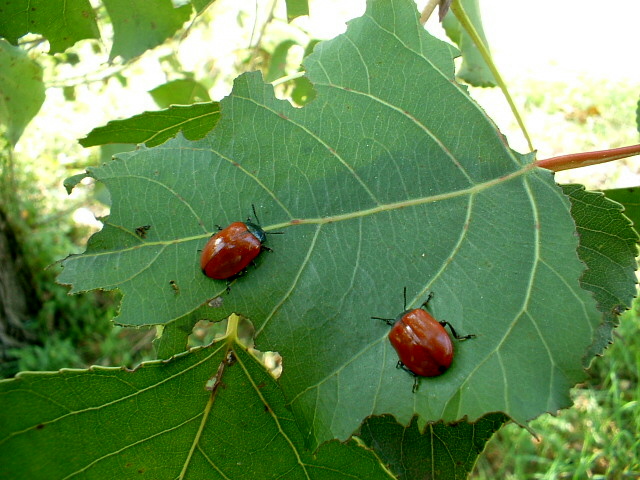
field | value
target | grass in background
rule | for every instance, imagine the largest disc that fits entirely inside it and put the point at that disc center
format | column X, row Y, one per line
column 564, row 118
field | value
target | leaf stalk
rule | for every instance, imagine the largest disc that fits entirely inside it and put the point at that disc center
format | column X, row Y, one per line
column 584, row 159
column 463, row 18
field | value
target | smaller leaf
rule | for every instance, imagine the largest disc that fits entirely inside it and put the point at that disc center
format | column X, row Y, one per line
column 71, row 182
column 172, row 338
column 179, row 92
column 629, row 198
column 110, row 150
column 21, row 90
column 69, row 93
column 72, row 58
column 142, row 25
column 278, row 62
column 443, row 451
column 216, row 409
column 155, row 128
column 474, row 69
column 308, row 50
column 303, row 91
column 61, row 22
column 608, row 246
column 201, row 5
column 297, row 8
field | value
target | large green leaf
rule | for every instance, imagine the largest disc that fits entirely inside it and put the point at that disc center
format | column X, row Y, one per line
column 391, row 177
column 21, row 90
column 211, row 413
column 61, row 22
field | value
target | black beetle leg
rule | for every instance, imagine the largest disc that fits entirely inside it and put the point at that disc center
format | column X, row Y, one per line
column 426, row 302
column 455, row 334
column 416, row 378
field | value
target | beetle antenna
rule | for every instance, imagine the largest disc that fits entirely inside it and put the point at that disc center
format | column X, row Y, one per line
column 404, row 294
column 253, row 207
column 388, row 321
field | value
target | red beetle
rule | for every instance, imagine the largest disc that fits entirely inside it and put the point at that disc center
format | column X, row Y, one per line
column 232, row 249
column 423, row 345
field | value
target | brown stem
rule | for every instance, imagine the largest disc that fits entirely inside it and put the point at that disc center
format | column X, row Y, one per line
column 428, row 10
column 584, row 159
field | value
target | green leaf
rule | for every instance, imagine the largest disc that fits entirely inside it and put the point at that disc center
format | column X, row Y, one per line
column 308, row 50
column 390, row 178
column 210, row 413
column 629, row 198
column 201, row 5
column 155, row 128
column 608, row 246
column 61, row 22
column 303, row 91
column 297, row 8
column 71, row 182
column 172, row 338
column 109, row 150
column 441, row 451
column 278, row 62
column 179, row 92
column 143, row 24
column 69, row 93
column 474, row 69
column 21, row 90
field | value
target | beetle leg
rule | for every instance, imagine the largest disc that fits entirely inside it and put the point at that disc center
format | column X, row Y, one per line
column 455, row 334
column 404, row 367
column 416, row 384
column 426, row 302
column 242, row 272
column 416, row 378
